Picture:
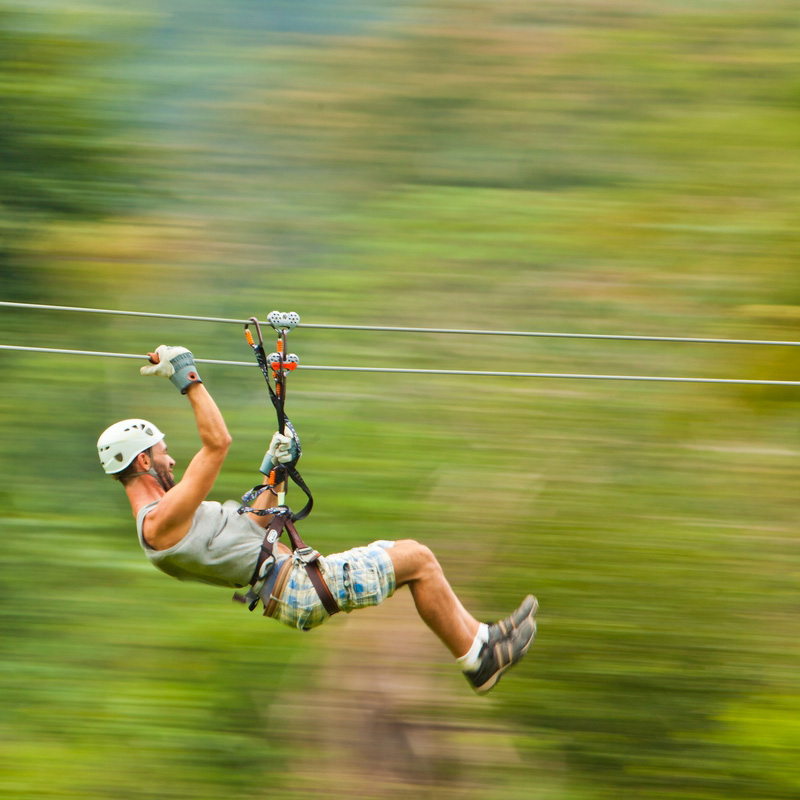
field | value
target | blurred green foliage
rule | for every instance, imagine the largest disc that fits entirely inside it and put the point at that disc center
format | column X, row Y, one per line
column 62, row 148
column 586, row 167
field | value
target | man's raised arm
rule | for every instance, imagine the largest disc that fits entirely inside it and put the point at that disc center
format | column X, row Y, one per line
column 169, row 522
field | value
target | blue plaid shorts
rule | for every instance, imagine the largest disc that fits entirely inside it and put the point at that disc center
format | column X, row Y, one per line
column 363, row 576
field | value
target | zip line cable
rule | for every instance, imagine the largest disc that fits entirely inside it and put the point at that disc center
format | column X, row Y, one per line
column 397, row 329
column 401, row 370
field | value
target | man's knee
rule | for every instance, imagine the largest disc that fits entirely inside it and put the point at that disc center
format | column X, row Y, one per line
column 420, row 556
column 421, row 551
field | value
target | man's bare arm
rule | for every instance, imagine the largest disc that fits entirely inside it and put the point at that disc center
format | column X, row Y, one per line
column 171, row 519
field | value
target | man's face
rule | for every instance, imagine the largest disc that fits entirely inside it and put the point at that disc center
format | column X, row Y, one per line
column 163, row 464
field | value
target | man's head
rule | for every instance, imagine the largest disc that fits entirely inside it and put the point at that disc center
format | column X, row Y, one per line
column 135, row 447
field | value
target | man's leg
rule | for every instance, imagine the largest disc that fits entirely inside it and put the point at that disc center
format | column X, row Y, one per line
column 484, row 652
column 416, row 566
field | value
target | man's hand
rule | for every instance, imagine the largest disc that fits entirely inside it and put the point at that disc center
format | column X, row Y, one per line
column 175, row 363
column 284, row 450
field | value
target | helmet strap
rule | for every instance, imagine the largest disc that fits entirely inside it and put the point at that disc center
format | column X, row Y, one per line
column 150, row 471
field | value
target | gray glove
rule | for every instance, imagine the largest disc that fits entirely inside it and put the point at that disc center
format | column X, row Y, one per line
column 283, row 451
column 175, row 363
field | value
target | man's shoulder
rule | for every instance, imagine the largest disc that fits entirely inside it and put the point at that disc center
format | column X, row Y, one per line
column 145, row 509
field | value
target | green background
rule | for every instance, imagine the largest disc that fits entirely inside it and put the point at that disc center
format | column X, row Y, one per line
column 615, row 167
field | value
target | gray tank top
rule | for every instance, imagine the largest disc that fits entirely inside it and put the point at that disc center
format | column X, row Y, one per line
column 221, row 547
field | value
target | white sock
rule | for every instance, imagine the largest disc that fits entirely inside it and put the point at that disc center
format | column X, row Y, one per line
column 469, row 660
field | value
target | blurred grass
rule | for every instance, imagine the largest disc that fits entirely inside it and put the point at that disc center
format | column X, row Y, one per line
column 608, row 168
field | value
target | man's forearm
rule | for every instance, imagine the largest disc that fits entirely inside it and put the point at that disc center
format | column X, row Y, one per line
column 210, row 423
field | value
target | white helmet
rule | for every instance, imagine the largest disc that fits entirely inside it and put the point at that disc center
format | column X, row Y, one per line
column 119, row 444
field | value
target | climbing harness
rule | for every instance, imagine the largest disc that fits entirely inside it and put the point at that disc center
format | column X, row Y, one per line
column 275, row 368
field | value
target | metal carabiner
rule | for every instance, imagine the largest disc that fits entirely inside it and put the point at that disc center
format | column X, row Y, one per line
column 249, row 336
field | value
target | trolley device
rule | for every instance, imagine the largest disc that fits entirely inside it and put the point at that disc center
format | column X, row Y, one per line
column 275, row 368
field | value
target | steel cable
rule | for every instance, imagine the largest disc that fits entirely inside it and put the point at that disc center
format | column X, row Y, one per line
column 398, row 329
column 403, row 370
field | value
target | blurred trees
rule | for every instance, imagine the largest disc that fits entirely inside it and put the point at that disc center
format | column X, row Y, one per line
column 581, row 144
column 65, row 151
column 578, row 166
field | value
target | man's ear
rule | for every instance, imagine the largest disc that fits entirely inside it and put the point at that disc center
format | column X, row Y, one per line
column 143, row 461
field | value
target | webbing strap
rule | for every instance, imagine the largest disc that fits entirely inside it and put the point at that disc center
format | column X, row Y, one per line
column 278, row 401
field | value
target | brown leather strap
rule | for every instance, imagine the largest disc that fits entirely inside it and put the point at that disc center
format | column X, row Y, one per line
column 315, row 575
column 271, row 536
column 313, row 570
column 294, row 537
column 271, row 605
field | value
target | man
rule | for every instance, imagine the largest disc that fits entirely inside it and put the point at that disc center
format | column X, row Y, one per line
column 190, row 538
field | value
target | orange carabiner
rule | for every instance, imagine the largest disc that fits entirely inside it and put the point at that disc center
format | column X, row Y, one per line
column 249, row 336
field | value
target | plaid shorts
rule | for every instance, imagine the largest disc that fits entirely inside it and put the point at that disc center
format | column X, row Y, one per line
column 363, row 576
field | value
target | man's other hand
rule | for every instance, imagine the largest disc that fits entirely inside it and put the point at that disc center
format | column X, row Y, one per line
column 282, row 450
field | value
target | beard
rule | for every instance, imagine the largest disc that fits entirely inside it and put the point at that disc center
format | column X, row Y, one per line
column 165, row 479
